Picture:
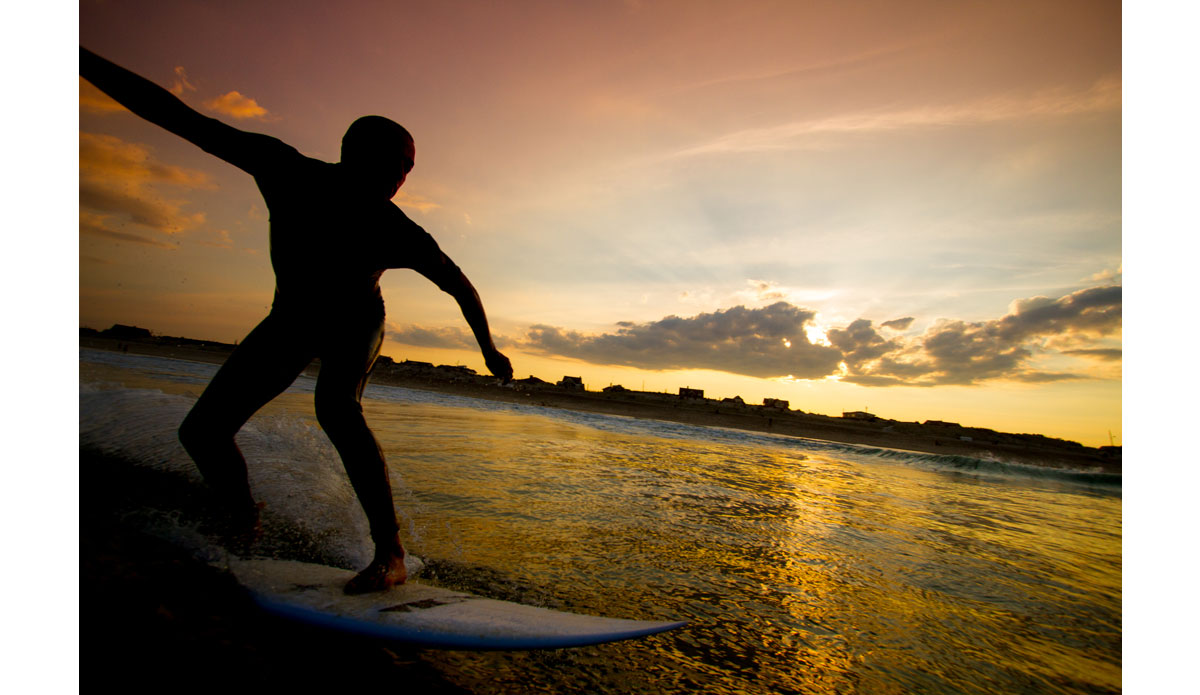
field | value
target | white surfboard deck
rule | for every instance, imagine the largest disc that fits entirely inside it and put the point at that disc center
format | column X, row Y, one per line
column 424, row 615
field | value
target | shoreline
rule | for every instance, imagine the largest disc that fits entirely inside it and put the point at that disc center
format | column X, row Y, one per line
column 887, row 434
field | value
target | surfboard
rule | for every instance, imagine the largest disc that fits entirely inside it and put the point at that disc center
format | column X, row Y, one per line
column 423, row 615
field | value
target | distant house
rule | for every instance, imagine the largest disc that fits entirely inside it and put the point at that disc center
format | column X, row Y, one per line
column 736, row 400
column 385, row 362
column 616, row 388
column 456, row 369
column 688, row 394
column 531, row 384
column 123, row 332
column 940, row 423
column 860, row 415
column 571, row 383
column 777, row 403
column 413, row 364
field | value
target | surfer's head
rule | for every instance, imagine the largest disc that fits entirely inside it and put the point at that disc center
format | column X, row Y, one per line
column 382, row 150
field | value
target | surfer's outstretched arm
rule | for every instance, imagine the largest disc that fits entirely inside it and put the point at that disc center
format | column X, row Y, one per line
column 451, row 280
column 160, row 107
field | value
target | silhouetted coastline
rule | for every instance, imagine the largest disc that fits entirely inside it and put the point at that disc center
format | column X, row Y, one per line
column 689, row 407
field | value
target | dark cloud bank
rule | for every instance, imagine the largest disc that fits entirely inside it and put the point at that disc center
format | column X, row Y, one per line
column 770, row 342
column 739, row 340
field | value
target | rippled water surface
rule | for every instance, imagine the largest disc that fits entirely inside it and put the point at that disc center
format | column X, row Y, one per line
column 802, row 566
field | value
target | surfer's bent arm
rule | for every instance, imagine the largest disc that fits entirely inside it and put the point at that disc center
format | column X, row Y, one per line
column 450, row 279
column 160, row 107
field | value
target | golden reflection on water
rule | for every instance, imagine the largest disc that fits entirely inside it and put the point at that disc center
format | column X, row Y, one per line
column 814, row 573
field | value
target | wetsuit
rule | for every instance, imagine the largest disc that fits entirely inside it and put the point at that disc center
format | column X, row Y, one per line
column 330, row 244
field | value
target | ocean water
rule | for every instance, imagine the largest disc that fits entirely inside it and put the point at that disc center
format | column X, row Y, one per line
column 803, row 566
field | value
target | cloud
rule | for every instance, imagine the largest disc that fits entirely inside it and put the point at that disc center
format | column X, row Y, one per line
column 1105, row 354
column 109, row 158
column 961, row 352
column 1093, row 311
column 218, row 238
column 764, row 342
column 451, row 337
column 159, row 215
column 92, row 100
column 181, row 83
column 99, row 225
column 820, row 133
column 771, row 342
column 898, row 324
column 406, row 200
column 859, row 343
column 237, row 105
column 118, row 186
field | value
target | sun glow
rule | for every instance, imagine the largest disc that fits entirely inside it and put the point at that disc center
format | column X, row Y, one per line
column 816, row 335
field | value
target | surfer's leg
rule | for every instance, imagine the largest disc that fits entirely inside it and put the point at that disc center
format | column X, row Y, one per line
column 260, row 368
column 346, row 362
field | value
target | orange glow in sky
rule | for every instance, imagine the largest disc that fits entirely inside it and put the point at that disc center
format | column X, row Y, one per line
column 908, row 207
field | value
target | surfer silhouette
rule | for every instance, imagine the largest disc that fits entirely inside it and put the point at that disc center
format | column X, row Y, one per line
column 333, row 232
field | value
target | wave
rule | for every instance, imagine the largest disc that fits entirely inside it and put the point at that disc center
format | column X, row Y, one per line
column 310, row 512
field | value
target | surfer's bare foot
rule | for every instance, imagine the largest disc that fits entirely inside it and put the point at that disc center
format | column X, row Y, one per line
column 380, row 575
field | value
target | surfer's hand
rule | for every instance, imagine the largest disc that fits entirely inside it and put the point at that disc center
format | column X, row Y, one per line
column 498, row 365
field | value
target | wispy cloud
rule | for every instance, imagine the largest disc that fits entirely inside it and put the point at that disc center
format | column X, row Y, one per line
column 118, row 183
column 102, row 226
column 93, row 100
column 1104, row 95
column 237, row 105
column 407, row 200
column 898, row 324
column 451, row 337
column 181, row 83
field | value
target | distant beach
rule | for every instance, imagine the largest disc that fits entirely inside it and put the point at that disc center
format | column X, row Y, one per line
column 933, row 438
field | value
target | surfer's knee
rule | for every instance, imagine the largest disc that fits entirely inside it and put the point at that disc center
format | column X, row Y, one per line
column 197, row 432
column 191, row 432
column 337, row 413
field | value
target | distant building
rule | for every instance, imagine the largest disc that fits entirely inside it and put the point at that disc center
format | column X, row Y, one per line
column 616, row 388
column 413, row 364
column 457, row 369
column 860, row 415
column 940, row 423
column 571, row 383
column 736, row 400
column 530, row 384
column 777, row 403
column 688, row 394
column 123, row 332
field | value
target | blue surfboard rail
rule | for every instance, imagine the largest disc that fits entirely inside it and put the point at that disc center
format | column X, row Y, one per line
column 433, row 639
column 423, row 615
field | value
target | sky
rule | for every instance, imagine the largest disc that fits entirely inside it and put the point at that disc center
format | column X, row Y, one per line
column 911, row 208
